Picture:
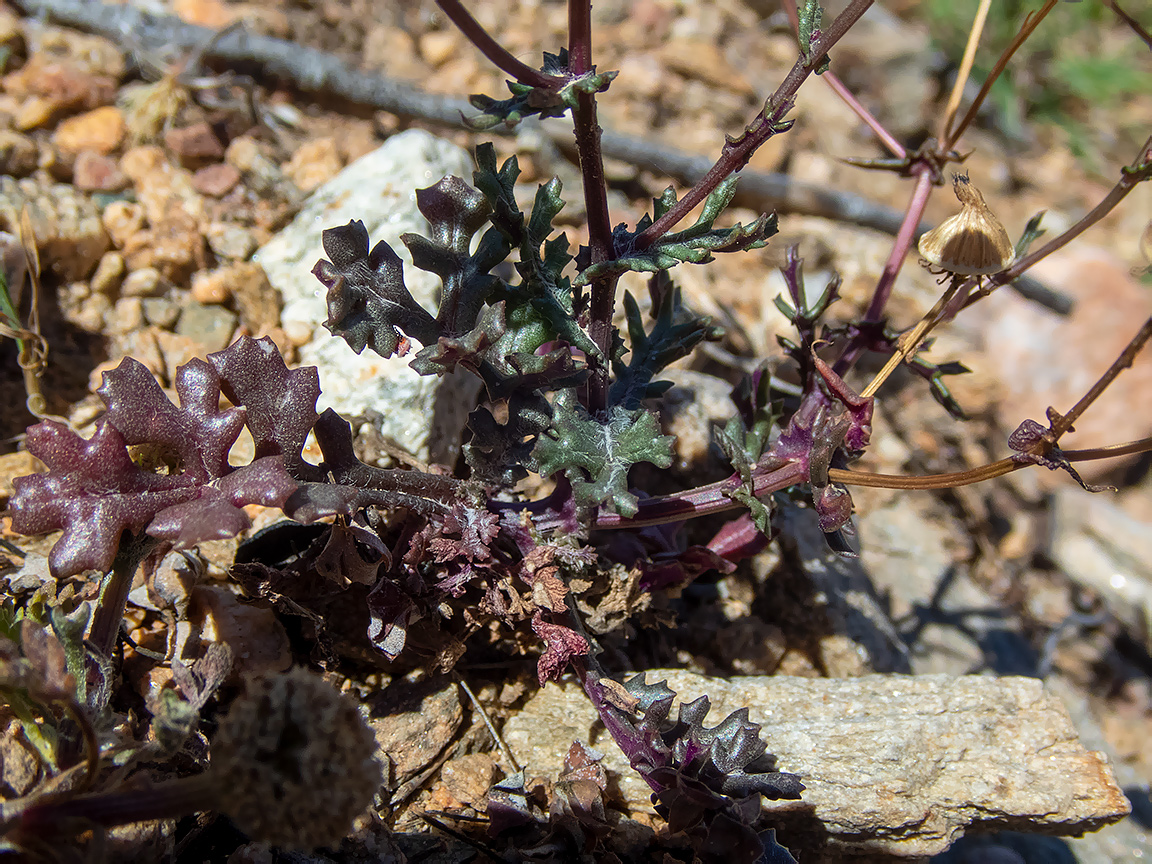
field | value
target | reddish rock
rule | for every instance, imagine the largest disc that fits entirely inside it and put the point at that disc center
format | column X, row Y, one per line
column 215, row 181
column 95, row 172
column 194, row 144
column 1043, row 359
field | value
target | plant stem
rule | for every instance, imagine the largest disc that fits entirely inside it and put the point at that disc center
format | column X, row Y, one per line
column 896, row 260
column 737, row 152
column 591, row 161
column 1138, row 172
column 1030, row 24
column 166, row 800
column 492, row 49
column 109, row 614
column 840, row 89
column 965, row 70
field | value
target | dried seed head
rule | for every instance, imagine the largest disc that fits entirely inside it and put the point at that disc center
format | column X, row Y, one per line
column 971, row 243
column 294, row 761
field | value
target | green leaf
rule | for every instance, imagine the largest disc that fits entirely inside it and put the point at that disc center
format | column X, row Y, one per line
column 693, row 245
column 651, row 352
column 596, row 455
column 1032, row 233
column 527, row 100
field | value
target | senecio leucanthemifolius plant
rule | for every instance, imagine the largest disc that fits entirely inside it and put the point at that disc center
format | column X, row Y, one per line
column 565, row 397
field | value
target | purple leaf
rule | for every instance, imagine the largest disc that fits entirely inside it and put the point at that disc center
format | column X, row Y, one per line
column 368, row 303
column 216, row 513
column 93, row 491
column 281, row 403
column 561, row 645
column 198, row 430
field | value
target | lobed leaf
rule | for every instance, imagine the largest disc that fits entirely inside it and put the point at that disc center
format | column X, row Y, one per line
column 596, row 455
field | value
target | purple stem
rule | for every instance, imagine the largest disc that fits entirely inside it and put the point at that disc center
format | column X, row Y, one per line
column 737, row 152
column 896, row 260
column 600, row 244
column 492, row 49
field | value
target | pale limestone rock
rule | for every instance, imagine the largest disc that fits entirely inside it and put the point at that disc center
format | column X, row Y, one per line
column 893, row 764
column 425, row 415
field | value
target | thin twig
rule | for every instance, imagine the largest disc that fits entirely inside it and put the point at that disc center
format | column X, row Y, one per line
column 763, row 126
column 841, row 89
column 492, row 49
column 964, row 71
column 1131, row 22
column 505, row 752
column 1138, row 172
column 1030, row 24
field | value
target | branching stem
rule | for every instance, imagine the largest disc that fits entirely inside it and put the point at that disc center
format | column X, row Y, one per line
column 766, row 124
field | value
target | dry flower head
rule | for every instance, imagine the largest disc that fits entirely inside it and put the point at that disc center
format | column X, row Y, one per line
column 971, row 243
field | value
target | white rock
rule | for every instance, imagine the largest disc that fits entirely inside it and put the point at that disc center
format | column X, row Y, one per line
column 424, row 415
column 893, row 764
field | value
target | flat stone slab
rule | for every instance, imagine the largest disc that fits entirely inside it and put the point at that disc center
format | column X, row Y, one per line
column 893, row 764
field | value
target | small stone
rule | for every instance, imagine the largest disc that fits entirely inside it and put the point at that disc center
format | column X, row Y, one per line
column 100, row 130
column 261, row 174
column 66, row 224
column 195, row 144
column 229, row 240
column 440, row 46
column 209, row 326
column 50, row 88
column 211, row 286
column 217, row 180
column 89, row 314
column 313, row 164
column 161, row 187
column 175, row 351
column 145, row 282
column 467, row 778
column 94, row 172
column 257, row 301
column 414, row 722
column 126, row 315
column 34, row 112
column 172, row 245
column 298, row 333
column 161, row 312
column 19, row 155
column 122, row 220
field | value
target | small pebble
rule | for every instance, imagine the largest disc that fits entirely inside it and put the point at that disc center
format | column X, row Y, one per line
column 95, row 172
column 209, row 326
column 109, row 273
column 298, row 333
column 229, row 240
column 211, row 286
column 145, row 282
column 217, row 180
column 314, row 164
column 19, row 155
column 122, row 220
column 100, row 130
column 126, row 315
column 194, row 144
column 161, row 312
